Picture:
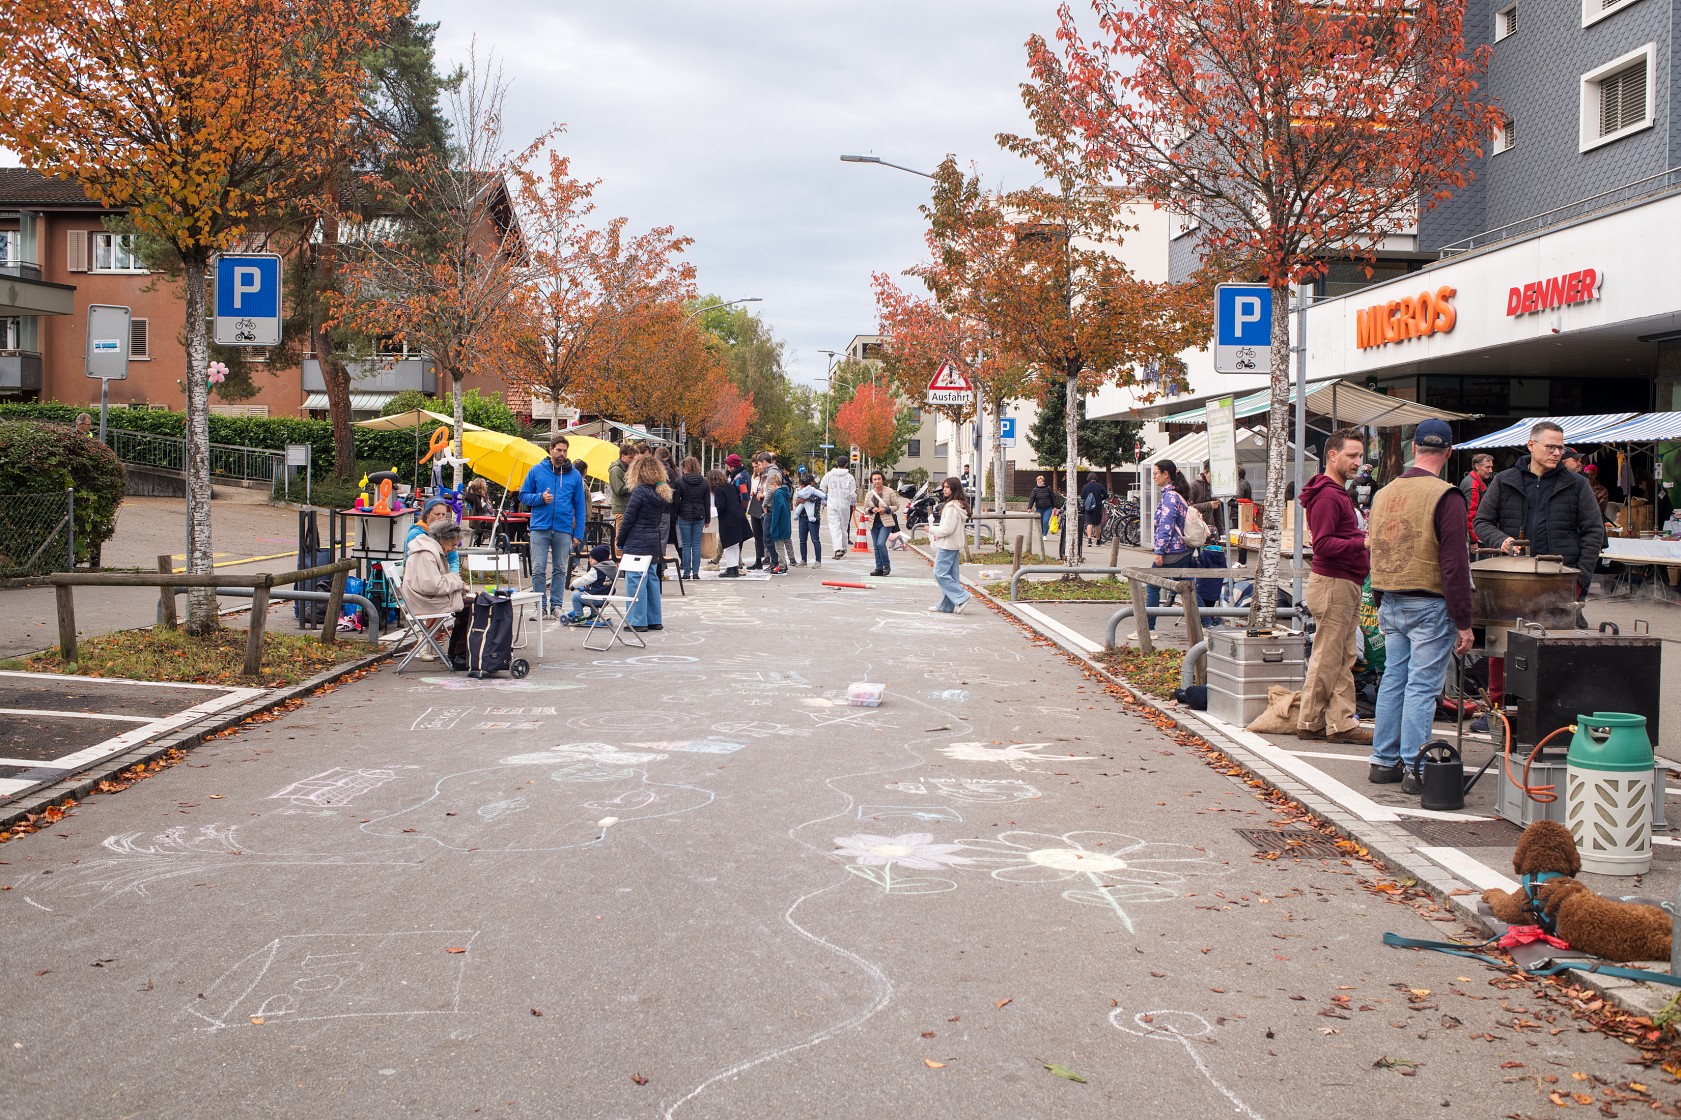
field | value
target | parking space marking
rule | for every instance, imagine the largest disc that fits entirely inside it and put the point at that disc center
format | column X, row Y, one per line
column 51, row 713
column 154, row 728
column 123, row 681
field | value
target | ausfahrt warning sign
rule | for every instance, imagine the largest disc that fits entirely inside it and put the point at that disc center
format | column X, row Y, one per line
column 950, row 387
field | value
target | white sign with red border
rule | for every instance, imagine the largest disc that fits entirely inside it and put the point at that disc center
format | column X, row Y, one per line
column 950, row 386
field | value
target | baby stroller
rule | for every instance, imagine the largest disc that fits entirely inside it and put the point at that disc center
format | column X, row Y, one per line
column 490, row 637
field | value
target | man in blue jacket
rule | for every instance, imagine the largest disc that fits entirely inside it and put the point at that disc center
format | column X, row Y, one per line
column 554, row 492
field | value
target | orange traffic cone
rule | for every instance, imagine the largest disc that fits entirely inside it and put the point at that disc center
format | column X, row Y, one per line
column 861, row 532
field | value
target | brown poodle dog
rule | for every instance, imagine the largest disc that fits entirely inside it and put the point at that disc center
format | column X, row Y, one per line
column 1546, row 848
column 1617, row 931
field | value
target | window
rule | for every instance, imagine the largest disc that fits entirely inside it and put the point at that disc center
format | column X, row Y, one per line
column 114, row 252
column 1505, row 22
column 1595, row 10
column 1617, row 99
column 11, row 334
column 11, row 247
column 1504, row 136
column 139, row 339
column 913, row 448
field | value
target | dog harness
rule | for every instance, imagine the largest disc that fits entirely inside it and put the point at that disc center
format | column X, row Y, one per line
column 1532, row 891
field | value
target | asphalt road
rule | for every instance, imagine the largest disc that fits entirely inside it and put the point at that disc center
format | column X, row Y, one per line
column 400, row 899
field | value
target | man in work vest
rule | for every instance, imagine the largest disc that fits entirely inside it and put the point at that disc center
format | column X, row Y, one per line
column 1421, row 578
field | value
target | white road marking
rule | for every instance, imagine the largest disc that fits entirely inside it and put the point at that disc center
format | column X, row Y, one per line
column 1058, row 628
column 1473, row 871
column 72, row 715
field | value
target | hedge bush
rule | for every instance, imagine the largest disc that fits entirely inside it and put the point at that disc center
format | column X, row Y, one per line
column 37, row 457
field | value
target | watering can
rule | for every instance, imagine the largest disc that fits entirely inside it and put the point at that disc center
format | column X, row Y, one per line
column 1441, row 776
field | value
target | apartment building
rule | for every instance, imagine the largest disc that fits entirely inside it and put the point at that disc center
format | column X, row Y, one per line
column 920, row 451
column 58, row 255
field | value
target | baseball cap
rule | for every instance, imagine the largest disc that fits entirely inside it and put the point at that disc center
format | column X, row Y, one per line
column 1572, row 453
column 1434, row 434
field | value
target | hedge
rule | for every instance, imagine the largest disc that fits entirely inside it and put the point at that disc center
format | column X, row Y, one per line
column 47, row 458
column 394, row 449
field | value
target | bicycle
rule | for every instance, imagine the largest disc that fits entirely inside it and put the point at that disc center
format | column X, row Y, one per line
column 1120, row 518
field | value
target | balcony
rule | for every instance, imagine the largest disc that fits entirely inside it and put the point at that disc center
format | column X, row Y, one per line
column 378, row 376
column 21, row 269
column 20, row 372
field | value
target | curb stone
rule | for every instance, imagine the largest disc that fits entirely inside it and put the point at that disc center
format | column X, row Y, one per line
column 83, row 782
column 1394, row 846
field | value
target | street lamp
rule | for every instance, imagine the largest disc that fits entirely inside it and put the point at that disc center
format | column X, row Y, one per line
column 829, row 389
column 884, row 163
column 726, row 303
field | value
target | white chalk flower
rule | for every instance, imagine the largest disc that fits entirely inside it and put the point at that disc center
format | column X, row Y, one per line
column 915, row 850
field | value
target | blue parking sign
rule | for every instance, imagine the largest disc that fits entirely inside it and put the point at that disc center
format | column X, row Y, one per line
column 247, row 299
column 1242, row 328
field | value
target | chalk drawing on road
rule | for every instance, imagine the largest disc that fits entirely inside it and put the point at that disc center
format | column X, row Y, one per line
column 509, row 725
column 917, row 626
column 875, row 857
column 626, row 801
column 622, row 719
column 1186, row 1028
column 922, row 813
column 311, row 976
column 693, row 746
column 771, row 678
column 540, row 711
column 956, row 694
column 507, row 805
column 440, row 719
column 981, row 791
column 335, row 787
column 757, row 729
column 1016, row 754
column 1118, row 868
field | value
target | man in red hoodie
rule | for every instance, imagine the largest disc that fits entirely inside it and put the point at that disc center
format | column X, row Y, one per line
column 1340, row 564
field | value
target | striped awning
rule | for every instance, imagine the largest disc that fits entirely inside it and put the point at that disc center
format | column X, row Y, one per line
column 359, row 402
column 1577, row 429
column 1650, row 428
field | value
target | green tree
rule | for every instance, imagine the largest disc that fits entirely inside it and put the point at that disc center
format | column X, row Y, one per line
column 1048, row 435
column 755, row 367
column 1109, row 444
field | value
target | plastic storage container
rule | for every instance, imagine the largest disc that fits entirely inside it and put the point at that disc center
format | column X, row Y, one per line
column 863, row 694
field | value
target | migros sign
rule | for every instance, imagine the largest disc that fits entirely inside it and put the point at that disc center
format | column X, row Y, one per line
column 1418, row 316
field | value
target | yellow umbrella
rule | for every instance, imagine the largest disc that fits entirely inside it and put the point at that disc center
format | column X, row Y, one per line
column 506, row 460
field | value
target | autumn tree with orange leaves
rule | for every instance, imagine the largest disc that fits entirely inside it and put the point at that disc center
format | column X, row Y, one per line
column 1031, row 280
column 197, row 119
column 870, row 420
column 727, row 420
column 665, row 372
column 591, row 289
column 1293, row 133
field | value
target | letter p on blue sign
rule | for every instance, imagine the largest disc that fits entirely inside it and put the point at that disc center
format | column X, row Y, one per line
column 1242, row 328
column 247, row 299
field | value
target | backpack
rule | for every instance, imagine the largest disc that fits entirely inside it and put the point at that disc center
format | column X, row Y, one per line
column 1091, row 501
column 1196, row 529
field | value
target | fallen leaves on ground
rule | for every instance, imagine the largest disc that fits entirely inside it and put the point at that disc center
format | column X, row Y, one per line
column 1063, row 1071
column 218, row 658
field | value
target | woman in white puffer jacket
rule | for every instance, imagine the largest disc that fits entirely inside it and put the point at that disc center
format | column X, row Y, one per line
column 947, row 539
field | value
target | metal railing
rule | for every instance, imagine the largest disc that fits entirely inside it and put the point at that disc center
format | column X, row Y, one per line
column 227, row 460
column 1661, row 183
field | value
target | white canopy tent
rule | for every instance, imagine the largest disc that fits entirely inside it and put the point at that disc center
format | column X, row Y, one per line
column 1577, row 429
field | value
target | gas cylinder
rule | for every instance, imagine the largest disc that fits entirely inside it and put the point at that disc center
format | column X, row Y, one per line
column 1609, row 773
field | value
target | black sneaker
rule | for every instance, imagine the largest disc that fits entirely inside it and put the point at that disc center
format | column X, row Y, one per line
column 655, row 626
column 1410, row 783
column 1384, row 775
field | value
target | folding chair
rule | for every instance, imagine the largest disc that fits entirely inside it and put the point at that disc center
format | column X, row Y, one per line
column 424, row 629
column 674, row 555
column 614, row 617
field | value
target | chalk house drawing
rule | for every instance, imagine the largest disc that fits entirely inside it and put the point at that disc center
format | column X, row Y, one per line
column 1185, row 1028
column 1118, row 869
column 875, row 858
column 335, row 976
column 332, row 788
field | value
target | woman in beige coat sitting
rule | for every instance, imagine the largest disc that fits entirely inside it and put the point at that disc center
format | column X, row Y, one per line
column 431, row 588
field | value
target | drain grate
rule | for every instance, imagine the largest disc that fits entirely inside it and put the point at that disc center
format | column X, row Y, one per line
column 1466, row 834
column 1298, row 842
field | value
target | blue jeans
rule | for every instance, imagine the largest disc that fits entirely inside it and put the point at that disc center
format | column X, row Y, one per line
column 580, row 601
column 646, row 610
column 878, row 537
column 688, row 547
column 1418, row 641
column 546, row 543
column 1153, row 595
column 945, row 574
column 1045, row 520
column 809, row 529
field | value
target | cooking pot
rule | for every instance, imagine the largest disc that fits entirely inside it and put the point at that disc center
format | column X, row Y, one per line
column 1539, row 589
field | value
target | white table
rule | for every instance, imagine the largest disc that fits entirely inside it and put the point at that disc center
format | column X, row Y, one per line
column 1651, row 553
column 520, row 599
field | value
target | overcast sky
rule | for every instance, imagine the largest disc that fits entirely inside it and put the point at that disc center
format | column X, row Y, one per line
column 727, row 121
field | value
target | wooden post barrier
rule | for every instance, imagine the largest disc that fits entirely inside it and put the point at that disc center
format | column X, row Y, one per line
column 335, row 607
column 254, row 635
column 66, row 623
column 166, row 594
column 1015, row 563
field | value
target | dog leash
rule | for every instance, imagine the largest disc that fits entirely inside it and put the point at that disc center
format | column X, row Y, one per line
column 1465, row 949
